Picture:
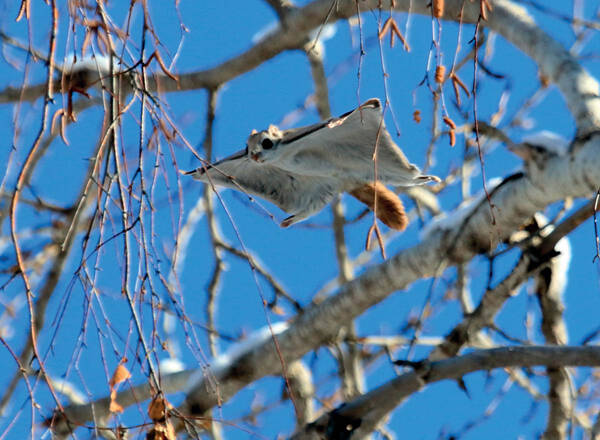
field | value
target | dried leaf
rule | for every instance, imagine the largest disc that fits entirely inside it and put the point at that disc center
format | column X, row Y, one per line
column 121, row 374
column 452, row 135
column 114, row 407
column 157, row 410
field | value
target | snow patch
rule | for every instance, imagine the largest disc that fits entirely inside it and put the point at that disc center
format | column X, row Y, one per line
column 236, row 351
column 454, row 219
column 324, row 33
column 170, row 366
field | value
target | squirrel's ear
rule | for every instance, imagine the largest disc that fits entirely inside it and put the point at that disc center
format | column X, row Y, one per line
column 253, row 131
column 274, row 130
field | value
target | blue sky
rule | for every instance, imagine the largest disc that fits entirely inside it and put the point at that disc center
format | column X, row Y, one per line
column 301, row 257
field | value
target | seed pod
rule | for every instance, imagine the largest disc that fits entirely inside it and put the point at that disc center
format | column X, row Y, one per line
column 452, row 135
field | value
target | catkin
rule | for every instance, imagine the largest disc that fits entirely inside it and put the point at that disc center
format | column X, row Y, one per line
column 449, row 122
column 440, row 74
column 438, row 8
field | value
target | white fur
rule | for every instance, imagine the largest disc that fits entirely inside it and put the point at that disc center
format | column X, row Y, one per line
column 552, row 142
column 93, row 63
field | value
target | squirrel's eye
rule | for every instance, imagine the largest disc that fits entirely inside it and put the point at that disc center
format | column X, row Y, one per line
column 267, row 143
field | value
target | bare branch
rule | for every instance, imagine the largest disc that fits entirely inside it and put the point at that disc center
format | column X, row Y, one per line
column 508, row 19
column 361, row 416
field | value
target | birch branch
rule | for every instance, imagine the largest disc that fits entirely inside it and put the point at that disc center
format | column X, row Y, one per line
column 360, row 417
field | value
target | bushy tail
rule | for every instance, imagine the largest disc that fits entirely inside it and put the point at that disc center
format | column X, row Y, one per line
column 390, row 209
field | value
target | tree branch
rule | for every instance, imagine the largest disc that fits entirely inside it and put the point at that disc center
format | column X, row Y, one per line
column 360, row 416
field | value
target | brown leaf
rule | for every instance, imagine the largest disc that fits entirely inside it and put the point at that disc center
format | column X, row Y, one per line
column 121, row 374
column 157, row 410
column 114, row 407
